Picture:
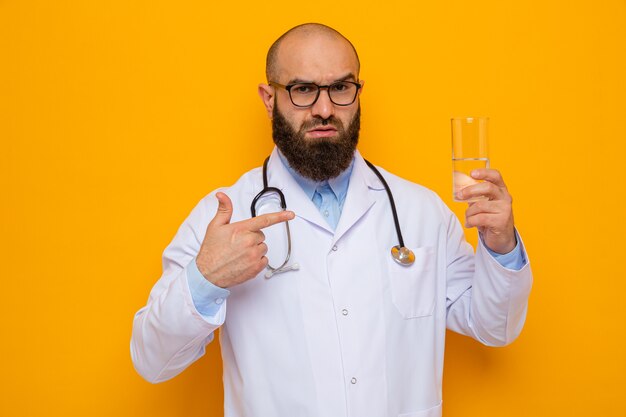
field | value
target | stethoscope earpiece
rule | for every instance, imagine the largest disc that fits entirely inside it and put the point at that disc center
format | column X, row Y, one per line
column 402, row 255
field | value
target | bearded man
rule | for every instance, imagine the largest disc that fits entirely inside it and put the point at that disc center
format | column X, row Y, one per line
column 332, row 325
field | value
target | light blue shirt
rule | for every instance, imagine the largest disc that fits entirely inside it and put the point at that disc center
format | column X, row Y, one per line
column 329, row 197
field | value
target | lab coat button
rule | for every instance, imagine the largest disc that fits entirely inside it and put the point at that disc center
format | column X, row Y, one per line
column 325, row 213
column 353, row 381
column 335, row 248
column 344, row 312
column 219, row 300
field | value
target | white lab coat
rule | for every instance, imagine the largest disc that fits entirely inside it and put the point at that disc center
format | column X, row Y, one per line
column 351, row 333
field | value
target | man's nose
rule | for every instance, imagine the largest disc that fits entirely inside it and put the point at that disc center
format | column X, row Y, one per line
column 323, row 107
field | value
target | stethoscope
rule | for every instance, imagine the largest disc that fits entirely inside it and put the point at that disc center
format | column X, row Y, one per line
column 400, row 253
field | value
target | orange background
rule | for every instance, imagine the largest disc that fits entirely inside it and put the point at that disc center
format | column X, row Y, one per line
column 116, row 117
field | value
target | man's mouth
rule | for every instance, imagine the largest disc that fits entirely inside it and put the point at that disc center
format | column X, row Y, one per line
column 322, row 132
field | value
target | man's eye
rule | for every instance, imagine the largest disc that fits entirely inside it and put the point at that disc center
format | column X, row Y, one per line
column 303, row 89
column 340, row 87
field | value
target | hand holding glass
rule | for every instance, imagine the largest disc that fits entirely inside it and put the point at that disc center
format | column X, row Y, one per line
column 469, row 151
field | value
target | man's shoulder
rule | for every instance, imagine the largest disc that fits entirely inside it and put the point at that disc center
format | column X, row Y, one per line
column 240, row 193
column 245, row 183
column 406, row 188
column 407, row 193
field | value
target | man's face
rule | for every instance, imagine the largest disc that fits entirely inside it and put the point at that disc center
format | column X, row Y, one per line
column 318, row 141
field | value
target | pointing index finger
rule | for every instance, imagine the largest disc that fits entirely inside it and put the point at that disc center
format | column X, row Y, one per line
column 257, row 223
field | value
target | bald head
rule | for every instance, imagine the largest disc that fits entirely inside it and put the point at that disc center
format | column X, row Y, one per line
column 301, row 33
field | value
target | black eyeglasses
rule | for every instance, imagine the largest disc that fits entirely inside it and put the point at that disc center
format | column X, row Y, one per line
column 341, row 93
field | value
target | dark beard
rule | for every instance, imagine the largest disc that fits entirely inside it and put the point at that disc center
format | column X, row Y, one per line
column 318, row 159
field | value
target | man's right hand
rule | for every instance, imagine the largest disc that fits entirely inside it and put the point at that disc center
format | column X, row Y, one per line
column 232, row 253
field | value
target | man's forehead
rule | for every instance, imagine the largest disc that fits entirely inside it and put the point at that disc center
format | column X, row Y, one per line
column 316, row 55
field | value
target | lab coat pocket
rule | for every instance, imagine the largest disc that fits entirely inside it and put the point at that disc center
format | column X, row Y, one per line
column 413, row 286
column 431, row 412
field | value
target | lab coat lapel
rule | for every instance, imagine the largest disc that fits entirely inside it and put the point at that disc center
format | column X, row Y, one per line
column 359, row 198
column 297, row 201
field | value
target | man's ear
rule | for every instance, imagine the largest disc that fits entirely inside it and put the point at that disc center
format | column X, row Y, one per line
column 266, row 92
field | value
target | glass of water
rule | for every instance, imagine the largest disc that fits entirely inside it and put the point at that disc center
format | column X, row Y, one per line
column 469, row 151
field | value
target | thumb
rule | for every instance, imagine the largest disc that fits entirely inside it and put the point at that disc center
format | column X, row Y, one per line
column 224, row 210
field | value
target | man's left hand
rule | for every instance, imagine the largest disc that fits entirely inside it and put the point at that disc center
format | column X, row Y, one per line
column 492, row 215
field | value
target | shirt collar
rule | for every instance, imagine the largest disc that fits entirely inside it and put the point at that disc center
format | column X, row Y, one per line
column 339, row 184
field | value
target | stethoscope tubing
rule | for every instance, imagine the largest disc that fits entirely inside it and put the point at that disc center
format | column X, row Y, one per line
column 400, row 253
column 396, row 222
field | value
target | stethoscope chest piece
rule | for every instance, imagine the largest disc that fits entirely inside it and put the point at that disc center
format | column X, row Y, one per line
column 402, row 255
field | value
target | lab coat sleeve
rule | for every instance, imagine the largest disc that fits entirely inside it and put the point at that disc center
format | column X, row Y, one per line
column 484, row 299
column 169, row 333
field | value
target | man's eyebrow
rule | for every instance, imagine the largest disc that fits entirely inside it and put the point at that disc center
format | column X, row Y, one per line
column 299, row 81
column 349, row 76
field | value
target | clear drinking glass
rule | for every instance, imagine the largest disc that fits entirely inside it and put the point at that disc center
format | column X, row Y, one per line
column 469, row 151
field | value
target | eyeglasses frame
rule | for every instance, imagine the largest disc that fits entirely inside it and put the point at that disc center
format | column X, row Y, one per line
column 288, row 87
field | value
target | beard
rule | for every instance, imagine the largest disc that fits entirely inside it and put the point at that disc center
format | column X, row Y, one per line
column 318, row 159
